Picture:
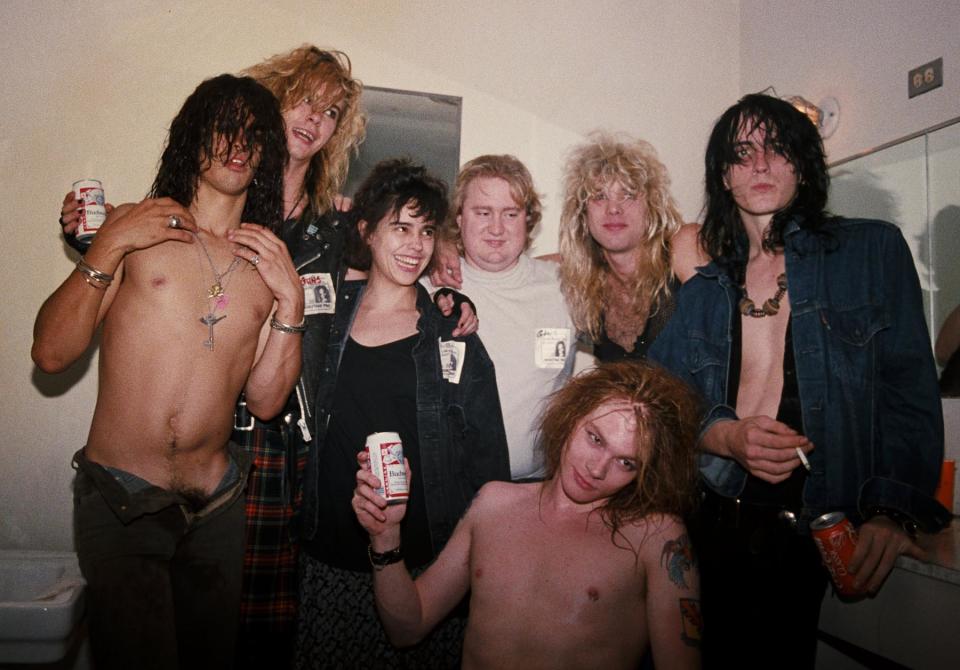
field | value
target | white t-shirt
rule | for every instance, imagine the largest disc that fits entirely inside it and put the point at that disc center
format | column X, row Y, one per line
column 527, row 330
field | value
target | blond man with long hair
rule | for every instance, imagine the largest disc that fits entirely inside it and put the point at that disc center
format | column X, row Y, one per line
column 588, row 569
column 623, row 246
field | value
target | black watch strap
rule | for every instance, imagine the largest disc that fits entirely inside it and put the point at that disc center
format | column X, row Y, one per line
column 380, row 561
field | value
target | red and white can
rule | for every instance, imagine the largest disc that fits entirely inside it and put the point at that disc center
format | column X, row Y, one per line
column 386, row 464
column 93, row 211
column 836, row 538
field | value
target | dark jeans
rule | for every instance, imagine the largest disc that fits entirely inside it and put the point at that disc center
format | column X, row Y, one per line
column 163, row 580
column 761, row 587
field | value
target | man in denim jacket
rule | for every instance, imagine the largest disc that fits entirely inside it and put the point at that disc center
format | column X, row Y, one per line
column 822, row 399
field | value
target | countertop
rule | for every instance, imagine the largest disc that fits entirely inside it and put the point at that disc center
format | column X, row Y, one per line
column 942, row 559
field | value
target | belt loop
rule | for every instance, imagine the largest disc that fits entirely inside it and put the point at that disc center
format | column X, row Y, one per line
column 240, row 414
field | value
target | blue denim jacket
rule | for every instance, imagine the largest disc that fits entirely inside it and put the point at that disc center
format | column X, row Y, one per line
column 460, row 426
column 865, row 370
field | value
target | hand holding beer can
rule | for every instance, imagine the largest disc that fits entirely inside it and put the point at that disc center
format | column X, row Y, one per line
column 836, row 538
column 93, row 211
column 386, row 464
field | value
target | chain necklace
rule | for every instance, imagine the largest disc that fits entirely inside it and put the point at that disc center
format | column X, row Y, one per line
column 770, row 307
column 216, row 293
column 295, row 205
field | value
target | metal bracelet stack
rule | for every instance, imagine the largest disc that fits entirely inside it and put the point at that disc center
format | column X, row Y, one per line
column 93, row 276
column 286, row 327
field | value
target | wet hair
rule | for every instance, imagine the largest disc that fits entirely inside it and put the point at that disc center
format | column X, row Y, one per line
column 226, row 111
column 667, row 414
column 299, row 75
column 603, row 160
column 511, row 170
column 390, row 186
column 789, row 133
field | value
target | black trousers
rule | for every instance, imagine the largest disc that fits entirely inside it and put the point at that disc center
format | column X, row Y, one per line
column 163, row 586
column 761, row 587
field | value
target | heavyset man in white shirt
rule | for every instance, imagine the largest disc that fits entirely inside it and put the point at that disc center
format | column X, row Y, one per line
column 524, row 322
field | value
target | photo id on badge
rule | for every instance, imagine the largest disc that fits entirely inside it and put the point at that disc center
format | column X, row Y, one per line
column 451, row 359
column 551, row 347
column 318, row 294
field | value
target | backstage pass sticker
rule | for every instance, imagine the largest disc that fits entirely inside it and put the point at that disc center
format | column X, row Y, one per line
column 551, row 347
column 451, row 359
column 318, row 294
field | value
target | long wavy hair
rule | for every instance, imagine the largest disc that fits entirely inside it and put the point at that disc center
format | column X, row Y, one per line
column 667, row 413
column 390, row 186
column 604, row 160
column 789, row 133
column 226, row 111
column 300, row 74
column 511, row 170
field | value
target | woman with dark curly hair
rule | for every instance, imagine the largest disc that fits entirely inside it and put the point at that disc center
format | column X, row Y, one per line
column 386, row 374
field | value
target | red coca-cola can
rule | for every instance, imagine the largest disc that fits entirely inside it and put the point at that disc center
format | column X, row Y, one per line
column 836, row 538
column 386, row 464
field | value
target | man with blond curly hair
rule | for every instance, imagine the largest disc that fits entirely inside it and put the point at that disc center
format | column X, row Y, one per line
column 624, row 248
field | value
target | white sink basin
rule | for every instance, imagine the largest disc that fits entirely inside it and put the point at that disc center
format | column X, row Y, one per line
column 41, row 604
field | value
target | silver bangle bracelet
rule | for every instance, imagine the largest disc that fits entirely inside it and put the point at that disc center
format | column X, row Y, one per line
column 102, row 278
column 286, row 327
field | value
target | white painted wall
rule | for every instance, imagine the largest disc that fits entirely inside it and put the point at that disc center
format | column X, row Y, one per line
column 89, row 88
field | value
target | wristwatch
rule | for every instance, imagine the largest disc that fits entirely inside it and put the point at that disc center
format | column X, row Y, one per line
column 380, row 561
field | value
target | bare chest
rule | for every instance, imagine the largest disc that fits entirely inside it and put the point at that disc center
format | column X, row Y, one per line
column 543, row 571
column 624, row 315
column 179, row 290
column 762, row 348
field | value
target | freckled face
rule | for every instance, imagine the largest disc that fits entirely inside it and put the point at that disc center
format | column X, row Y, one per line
column 762, row 182
column 309, row 126
column 601, row 455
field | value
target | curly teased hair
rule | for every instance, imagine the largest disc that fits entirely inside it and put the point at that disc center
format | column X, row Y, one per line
column 391, row 185
column 301, row 74
column 667, row 413
column 602, row 161
column 789, row 133
column 234, row 110
column 511, row 170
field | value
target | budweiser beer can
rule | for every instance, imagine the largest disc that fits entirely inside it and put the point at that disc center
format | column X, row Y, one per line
column 386, row 464
column 92, row 210
column 836, row 539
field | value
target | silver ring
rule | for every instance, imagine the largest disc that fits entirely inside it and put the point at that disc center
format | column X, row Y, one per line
column 174, row 221
column 255, row 260
column 449, row 271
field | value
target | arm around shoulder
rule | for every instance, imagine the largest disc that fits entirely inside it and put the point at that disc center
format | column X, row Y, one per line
column 686, row 252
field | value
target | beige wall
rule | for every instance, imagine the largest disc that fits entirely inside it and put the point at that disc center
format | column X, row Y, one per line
column 89, row 88
column 858, row 51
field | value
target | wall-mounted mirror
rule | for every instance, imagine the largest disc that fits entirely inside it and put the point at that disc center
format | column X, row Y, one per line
column 915, row 183
column 422, row 126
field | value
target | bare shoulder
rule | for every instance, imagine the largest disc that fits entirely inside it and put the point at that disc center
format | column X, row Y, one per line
column 502, row 498
column 656, row 533
column 686, row 253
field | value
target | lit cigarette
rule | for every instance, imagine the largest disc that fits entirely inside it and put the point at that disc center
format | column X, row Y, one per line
column 803, row 459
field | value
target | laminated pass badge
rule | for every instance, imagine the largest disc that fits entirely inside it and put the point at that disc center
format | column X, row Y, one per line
column 451, row 359
column 551, row 347
column 318, row 294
